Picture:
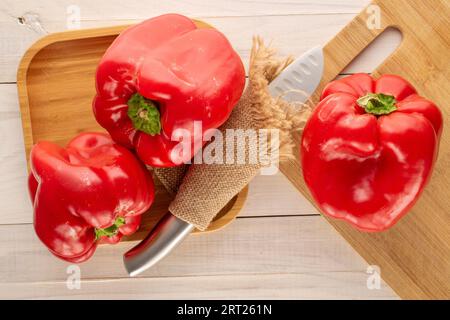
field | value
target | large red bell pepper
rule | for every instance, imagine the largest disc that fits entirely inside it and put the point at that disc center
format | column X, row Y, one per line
column 369, row 149
column 162, row 75
column 89, row 192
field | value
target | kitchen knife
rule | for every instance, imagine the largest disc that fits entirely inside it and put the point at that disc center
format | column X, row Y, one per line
column 296, row 83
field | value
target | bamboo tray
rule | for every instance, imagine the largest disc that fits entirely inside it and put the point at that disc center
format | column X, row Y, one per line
column 56, row 84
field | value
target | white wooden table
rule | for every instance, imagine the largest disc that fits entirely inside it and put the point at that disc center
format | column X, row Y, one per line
column 279, row 247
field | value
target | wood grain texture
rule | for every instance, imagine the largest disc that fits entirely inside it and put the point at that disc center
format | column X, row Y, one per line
column 13, row 183
column 297, row 246
column 414, row 255
column 305, row 23
column 32, row 272
column 300, row 249
column 313, row 285
column 49, row 10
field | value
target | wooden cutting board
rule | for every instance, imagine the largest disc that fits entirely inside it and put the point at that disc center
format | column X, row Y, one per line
column 413, row 256
column 56, row 85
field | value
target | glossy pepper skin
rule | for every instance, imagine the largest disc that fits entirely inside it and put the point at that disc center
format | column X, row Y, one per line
column 366, row 157
column 89, row 192
column 162, row 75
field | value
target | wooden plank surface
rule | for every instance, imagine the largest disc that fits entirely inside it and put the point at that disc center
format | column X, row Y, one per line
column 249, row 246
column 278, row 248
column 319, row 22
column 314, row 285
column 238, row 253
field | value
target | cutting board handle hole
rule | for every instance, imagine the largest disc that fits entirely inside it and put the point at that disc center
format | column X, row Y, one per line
column 376, row 52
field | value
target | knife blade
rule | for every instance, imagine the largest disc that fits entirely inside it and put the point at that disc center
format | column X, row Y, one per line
column 300, row 79
column 296, row 83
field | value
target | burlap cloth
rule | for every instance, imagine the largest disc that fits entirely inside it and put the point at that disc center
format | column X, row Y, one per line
column 202, row 190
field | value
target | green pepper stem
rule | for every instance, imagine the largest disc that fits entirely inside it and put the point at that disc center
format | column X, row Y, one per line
column 111, row 230
column 377, row 103
column 144, row 114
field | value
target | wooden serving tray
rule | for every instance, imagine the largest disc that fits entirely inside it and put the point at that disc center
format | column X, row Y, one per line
column 414, row 255
column 56, row 84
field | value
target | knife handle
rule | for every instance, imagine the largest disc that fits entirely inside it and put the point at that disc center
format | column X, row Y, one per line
column 164, row 237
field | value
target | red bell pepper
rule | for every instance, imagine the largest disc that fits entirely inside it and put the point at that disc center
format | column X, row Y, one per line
column 369, row 148
column 89, row 192
column 162, row 75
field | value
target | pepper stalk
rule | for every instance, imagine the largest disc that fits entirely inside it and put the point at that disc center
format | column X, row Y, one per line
column 144, row 114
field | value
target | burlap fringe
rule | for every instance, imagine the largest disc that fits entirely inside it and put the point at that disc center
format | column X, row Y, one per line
column 273, row 112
